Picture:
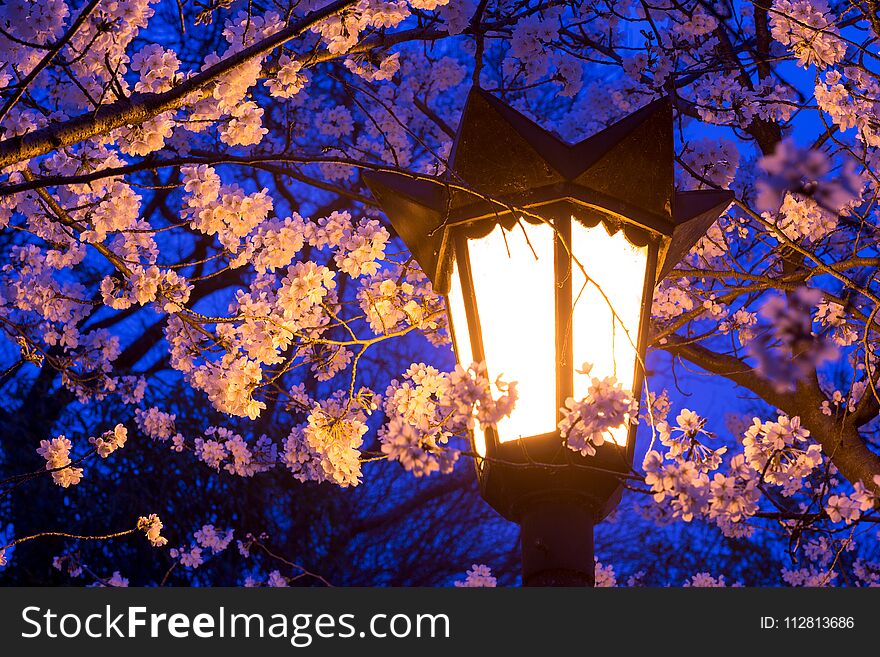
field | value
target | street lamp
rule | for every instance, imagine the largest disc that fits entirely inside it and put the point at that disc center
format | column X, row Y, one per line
column 548, row 254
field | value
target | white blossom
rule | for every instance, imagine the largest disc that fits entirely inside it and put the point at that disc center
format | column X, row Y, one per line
column 479, row 576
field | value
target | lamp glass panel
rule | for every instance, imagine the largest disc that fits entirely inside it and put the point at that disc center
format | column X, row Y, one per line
column 608, row 340
column 513, row 278
column 462, row 341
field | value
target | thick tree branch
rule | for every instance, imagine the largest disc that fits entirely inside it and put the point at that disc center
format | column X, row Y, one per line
column 141, row 107
column 840, row 440
column 729, row 367
column 54, row 49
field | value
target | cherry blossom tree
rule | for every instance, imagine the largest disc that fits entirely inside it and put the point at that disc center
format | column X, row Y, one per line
column 184, row 217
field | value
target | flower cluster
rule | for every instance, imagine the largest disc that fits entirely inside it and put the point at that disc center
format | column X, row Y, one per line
column 226, row 211
column 807, row 28
column 800, row 196
column 57, row 455
column 69, row 563
column 686, row 477
column 712, row 161
column 223, row 447
column 289, row 80
column 479, row 576
column 154, row 423
column 791, row 322
column 849, row 508
column 341, row 32
column 327, row 446
column 683, row 440
column 705, row 580
column 109, row 441
column 399, row 297
column 586, row 423
column 365, row 69
column 206, row 538
column 428, row 407
column 604, row 575
column 724, row 99
column 152, row 526
column 115, row 580
column 742, row 321
column 808, row 577
column 673, row 297
column 833, row 315
column 781, row 453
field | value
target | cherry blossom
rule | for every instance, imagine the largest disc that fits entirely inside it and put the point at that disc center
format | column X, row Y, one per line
column 208, row 538
column 428, row 407
column 781, row 453
column 478, row 576
column 705, row 580
column 806, row 27
column 109, row 441
column 604, row 574
column 152, row 526
column 57, row 455
column 585, row 423
column 155, row 424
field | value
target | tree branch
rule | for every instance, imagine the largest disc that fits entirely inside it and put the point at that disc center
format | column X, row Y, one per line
column 140, row 107
column 840, row 440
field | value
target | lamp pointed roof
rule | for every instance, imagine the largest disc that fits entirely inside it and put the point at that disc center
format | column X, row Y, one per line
column 501, row 152
column 414, row 208
column 694, row 214
column 625, row 172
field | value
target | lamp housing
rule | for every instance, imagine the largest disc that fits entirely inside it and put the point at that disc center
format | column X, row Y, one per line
column 548, row 254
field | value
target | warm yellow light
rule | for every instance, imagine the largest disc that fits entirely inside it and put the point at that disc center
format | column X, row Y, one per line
column 608, row 340
column 462, row 342
column 513, row 274
column 513, row 277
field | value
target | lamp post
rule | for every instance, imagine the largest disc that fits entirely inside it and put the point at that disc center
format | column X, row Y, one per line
column 548, row 254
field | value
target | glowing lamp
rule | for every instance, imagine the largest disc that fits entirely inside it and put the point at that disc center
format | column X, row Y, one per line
column 548, row 254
